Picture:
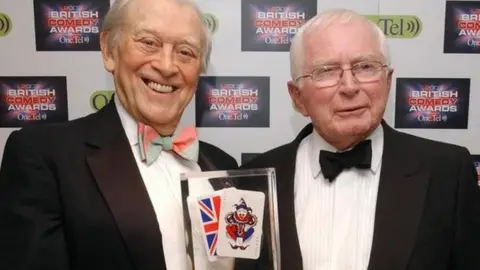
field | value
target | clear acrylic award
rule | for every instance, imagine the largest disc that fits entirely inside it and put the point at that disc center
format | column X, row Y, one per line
column 231, row 219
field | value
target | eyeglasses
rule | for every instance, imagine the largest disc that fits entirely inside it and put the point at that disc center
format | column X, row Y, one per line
column 364, row 72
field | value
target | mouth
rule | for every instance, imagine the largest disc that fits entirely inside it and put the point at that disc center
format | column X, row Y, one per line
column 352, row 111
column 159, row 87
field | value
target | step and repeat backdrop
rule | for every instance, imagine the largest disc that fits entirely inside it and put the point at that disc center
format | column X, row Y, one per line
column 51, row 68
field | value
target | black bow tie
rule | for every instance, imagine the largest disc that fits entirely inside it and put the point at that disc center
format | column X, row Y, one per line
column 333, row 164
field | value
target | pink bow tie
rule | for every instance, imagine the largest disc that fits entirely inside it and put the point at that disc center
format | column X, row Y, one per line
column 151, row 144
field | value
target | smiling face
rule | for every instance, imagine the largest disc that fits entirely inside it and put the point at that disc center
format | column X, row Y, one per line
column 242, row 213
column 157, row 62
column 349, row 110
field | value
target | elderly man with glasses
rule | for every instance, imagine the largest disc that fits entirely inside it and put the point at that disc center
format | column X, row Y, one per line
column 353, row 192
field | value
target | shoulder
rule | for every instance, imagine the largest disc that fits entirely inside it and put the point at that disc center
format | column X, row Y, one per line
column 283, row 155
column 427, row 147
column 272, row 157
column 45, row 136
column 217, row 155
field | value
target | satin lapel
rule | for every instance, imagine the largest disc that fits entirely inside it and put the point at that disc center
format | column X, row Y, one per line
column 285, row 174
column 401, row 196
column 289, row 245
column 115, row 170
column 204, row 162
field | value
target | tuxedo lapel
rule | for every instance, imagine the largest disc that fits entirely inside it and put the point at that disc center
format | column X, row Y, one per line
column 401, row 195
column 291, row 257
column 115, row 170
column 204, row 162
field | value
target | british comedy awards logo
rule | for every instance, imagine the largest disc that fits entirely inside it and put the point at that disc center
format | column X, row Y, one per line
column 398, row 26
column 476, row 162
column 5, row 24
column 462, row 27
column 29, row 100
column 432, row 103
column 271, row 25
column 233, row 102
column 99, row 99
column 69, row 25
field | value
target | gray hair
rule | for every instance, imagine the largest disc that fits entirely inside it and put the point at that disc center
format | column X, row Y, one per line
column 297, row 54
column 115, row 17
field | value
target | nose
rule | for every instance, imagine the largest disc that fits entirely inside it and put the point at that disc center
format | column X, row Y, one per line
column 165, row 62
column 349, row 84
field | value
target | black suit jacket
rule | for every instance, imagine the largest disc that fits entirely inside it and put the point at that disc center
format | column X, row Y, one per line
column 428, row 206
column 72, row 197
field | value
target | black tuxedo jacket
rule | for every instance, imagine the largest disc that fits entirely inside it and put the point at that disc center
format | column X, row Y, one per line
column 72, row 197
column 428, row 206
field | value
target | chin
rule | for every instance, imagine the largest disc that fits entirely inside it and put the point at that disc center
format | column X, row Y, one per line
column 156, row 114
column 354, row 127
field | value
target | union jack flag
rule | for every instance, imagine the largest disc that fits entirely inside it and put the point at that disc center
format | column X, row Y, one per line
column 209, row 213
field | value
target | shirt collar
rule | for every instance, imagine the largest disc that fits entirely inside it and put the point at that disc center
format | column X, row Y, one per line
column 128, row 122
column 317, row 143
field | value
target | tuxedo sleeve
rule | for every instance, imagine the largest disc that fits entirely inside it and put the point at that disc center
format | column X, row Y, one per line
column 31, row 226
column 467, row 218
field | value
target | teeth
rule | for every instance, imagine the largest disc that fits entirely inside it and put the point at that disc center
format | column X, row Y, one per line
column 160, row 87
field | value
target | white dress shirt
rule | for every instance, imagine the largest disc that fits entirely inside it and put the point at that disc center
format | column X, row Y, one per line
column 335, row 220
column 162, row 181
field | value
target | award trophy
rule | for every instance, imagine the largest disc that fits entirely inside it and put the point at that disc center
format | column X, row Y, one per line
column 233, row 224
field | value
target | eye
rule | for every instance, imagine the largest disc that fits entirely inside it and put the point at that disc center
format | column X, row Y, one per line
column 365, row 65
column 326, row 71
column 186, row 53
column 148, row 42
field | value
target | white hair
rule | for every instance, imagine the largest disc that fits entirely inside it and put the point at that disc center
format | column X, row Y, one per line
column 115, row 21
column 324, row 19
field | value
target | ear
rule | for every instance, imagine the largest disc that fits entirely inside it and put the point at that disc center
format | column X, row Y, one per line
column 296, row 97
column 389, row 78
column 107, row 53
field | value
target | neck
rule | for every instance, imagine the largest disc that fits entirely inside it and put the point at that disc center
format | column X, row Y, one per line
column 164, row 130
column 342, row 143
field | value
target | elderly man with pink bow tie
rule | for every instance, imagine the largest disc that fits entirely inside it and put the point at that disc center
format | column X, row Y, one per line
column 103, row 191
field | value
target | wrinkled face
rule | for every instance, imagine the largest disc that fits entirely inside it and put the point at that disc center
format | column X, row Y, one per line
column 156, row 63
column 349, row 107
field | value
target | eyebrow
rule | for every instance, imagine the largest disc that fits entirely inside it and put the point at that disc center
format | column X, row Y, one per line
column 355, row 59
column 367, row 57
column 186, row 40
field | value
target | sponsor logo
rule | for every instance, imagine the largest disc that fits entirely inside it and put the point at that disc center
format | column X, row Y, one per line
column 5, row 24
column 398, row 26
column 211, row 21
column 99, row 99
